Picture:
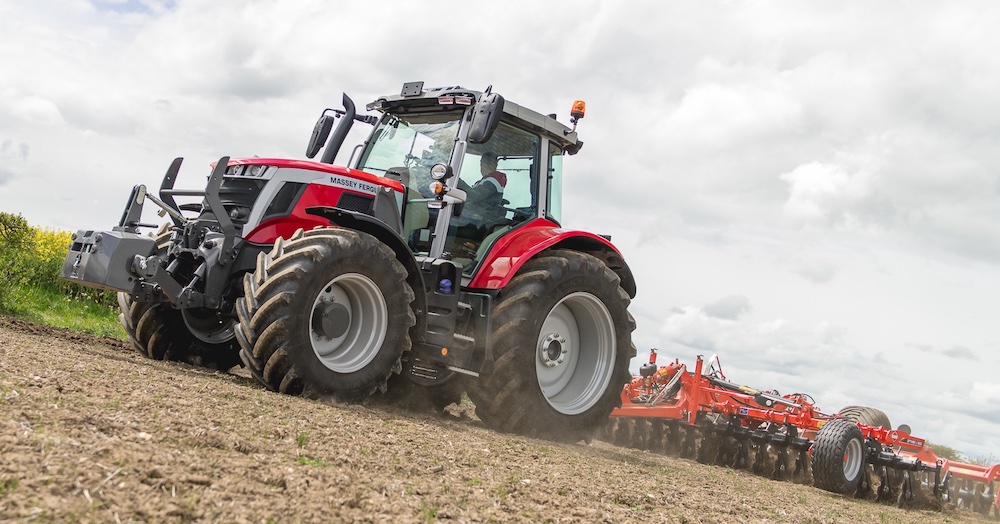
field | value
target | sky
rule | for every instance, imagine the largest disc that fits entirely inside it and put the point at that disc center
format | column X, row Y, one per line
column 807, row 189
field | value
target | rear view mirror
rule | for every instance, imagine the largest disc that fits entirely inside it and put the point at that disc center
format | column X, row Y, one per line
column 319, row 135
column 485, row 118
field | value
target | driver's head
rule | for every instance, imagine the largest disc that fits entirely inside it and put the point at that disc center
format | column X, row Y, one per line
column 488, row 163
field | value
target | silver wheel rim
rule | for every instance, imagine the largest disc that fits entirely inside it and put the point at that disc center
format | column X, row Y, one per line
column 208, row 326
column 348, row 323
column 853, row 459
column 575, row 353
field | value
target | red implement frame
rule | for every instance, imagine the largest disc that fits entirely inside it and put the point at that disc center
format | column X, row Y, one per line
column 703, row 400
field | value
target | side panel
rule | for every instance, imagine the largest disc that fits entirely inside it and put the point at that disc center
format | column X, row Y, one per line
column 315, row 195
column 513, row 250
column 322, row 169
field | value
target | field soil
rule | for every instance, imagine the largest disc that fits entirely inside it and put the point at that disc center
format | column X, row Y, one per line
column 90, row 431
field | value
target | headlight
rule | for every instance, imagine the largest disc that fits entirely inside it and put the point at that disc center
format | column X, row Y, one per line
column 438, row 171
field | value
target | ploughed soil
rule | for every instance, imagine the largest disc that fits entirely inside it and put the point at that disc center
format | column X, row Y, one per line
column 90, row 431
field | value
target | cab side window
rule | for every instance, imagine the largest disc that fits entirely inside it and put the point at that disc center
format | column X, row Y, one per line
column 501, row 180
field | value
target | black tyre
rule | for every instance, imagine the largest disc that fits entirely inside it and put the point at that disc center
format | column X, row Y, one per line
column 326, row 313
column 561, row 343
column 202, row 337
column 867, row 416
column 838, row 456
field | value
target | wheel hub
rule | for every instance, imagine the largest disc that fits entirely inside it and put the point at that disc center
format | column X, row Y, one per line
column 552, row 350
column 575, row 353
column 348, row 323
column 331, row 320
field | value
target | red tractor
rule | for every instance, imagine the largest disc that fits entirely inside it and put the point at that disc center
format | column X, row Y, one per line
column 438, row 256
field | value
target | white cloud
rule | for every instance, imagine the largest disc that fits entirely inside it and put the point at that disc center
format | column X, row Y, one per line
column 960, row 352
column 728, row 308
column 986, row 391
column 828, row 195
column 33, row 110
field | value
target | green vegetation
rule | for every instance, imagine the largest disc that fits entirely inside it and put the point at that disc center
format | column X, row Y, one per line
column 7, row 486
column 946, row 452
column 428, row 511
column 30, row 288
column 988, row 460
column 306, row 460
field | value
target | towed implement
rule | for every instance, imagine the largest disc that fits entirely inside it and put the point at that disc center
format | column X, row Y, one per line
column 435, row 264
column 700, row 414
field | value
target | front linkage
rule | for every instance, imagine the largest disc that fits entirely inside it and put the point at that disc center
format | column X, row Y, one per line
column 192, row 270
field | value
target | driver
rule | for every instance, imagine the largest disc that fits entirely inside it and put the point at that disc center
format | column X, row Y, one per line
column 485, row 197
column 484, row 200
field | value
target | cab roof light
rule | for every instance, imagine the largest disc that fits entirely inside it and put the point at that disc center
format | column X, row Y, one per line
column 462, row 100
column 376, row 105
column 577, row 112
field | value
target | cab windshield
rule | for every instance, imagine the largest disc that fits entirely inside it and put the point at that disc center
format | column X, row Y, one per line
column 410, row 145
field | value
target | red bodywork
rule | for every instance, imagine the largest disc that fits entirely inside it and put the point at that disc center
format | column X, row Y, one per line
column 506, row 256
column 315, row 195
column 514, row 249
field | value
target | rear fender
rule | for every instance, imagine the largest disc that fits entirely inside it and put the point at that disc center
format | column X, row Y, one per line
column 513, row 250
column 385, row 234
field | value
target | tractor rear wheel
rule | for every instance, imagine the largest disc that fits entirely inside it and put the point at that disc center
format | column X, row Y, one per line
column 838, row 456
column 326, row 314
column 561, row 344
column 202, row 337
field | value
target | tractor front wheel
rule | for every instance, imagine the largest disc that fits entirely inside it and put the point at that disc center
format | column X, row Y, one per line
column 561, row 344
column 838, row 456
column 326, row 314
column 201, row 337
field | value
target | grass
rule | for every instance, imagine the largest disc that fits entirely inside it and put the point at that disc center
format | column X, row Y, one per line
column 306, row 460
column 7, row 486
column 428, row 511
column 52, row 308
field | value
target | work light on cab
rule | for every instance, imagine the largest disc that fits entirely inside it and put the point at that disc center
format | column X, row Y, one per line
column 439, row 171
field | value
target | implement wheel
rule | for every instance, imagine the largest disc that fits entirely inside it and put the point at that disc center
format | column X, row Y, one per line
column 202, row 337
column 326, row 314
column 838, row 456
column 867, row 416
column 562, row 344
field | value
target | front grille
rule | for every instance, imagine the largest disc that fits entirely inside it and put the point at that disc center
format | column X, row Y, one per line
column 356, row 203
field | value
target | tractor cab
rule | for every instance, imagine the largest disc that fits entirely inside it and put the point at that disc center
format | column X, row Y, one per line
column 489, row 155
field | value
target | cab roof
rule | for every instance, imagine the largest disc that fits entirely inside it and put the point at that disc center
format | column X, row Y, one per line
column 414, row 97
